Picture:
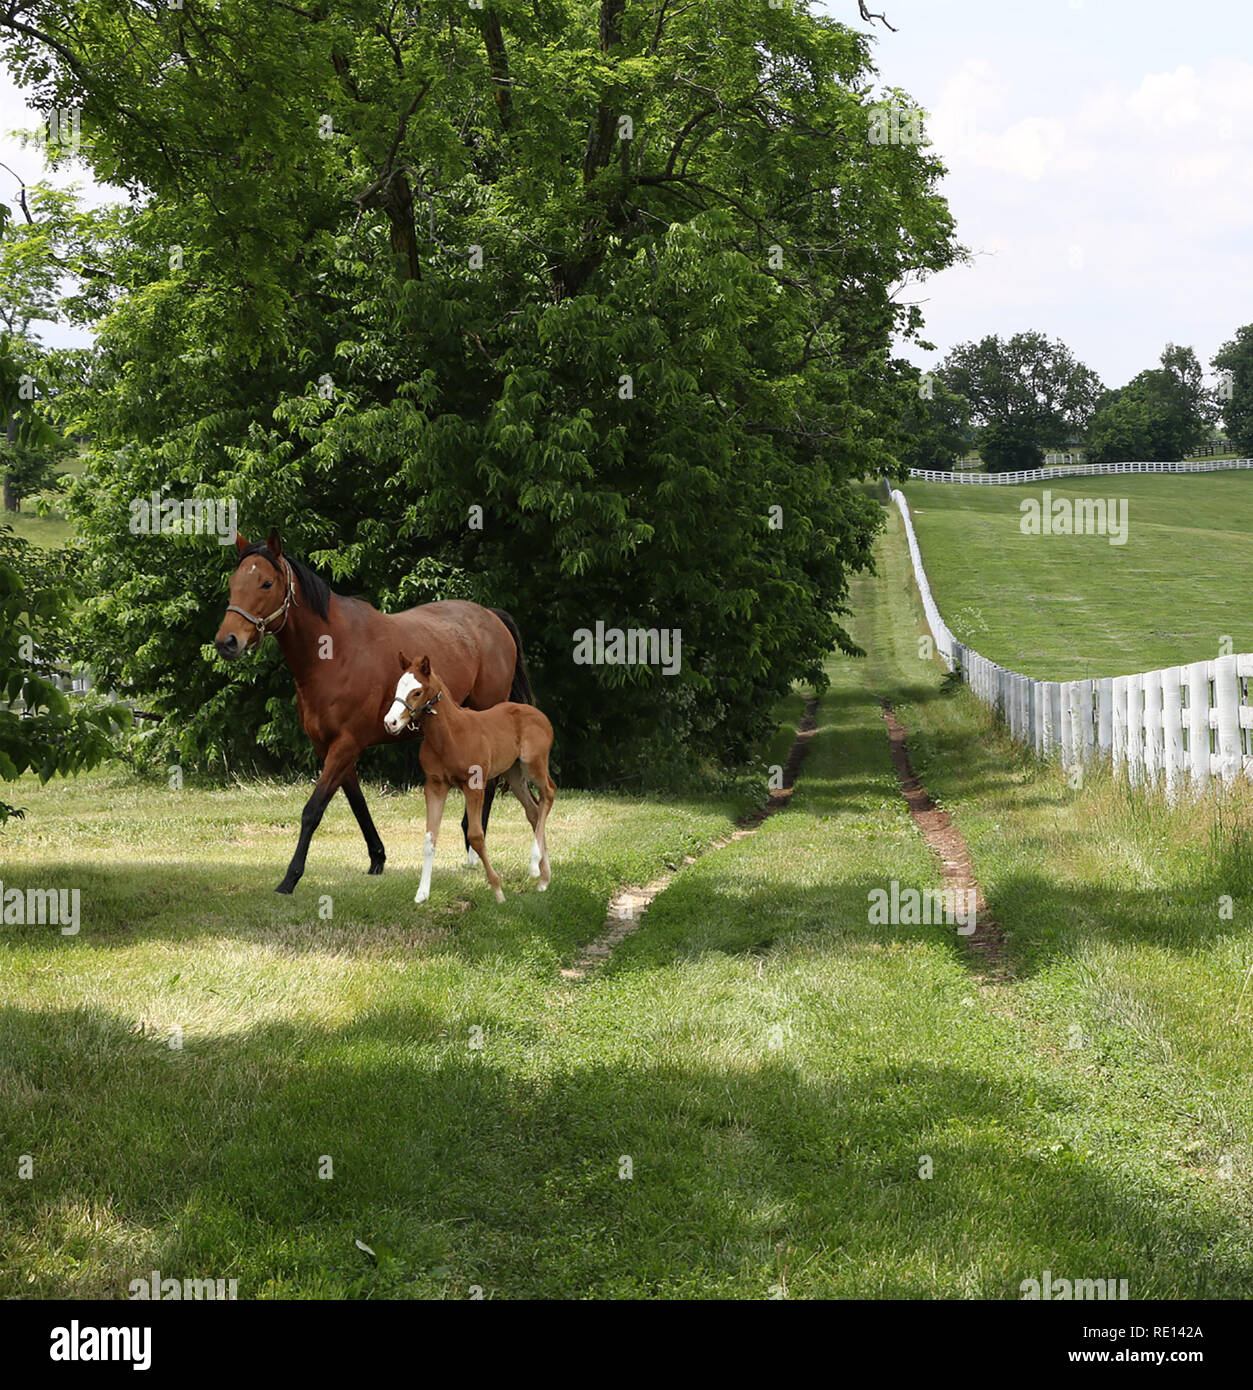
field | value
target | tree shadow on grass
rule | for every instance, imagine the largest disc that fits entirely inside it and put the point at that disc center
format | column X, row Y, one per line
column 189, row 901
column 1047, row 921
column 506, row 1171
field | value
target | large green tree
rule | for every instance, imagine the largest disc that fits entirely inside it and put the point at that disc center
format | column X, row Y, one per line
column 46, row 733
column 614, row 279
column 1235, row 393
column 1028, row 392
column 1159, row 416
column 934, row 422
column 32, row 266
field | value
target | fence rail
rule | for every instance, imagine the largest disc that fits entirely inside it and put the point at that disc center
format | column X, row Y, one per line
column 78, row 683
column 1075, row 470
column 1176, row 726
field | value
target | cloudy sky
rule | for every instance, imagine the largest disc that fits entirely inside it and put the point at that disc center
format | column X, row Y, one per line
column 1101, row 167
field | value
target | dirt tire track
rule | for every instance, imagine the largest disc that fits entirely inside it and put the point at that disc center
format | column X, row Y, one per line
column 986, row 944
column 628, row 906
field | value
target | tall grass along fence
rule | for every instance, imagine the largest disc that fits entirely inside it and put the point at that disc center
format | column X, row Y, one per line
column 1181, row 725
column 1075, row 470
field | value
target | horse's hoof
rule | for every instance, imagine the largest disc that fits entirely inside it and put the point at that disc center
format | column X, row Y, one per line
column 286, row 887
column 500, row 897
column 543, row 888
column 472, row 859
column 376, row 866
column 420, row 896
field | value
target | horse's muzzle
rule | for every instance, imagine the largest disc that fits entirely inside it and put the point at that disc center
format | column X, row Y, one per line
column 228, row 646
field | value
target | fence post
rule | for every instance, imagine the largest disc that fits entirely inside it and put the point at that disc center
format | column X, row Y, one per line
column 1152, row 725
column 1105, row 716
column 1172, row 727
column 1196, row 679
column 1085, row 728
column 1227, row 706
column 1119, row 684
column 1135, row 728
column 1067, row 722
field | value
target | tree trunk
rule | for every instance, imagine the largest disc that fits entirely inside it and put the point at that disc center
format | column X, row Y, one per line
column 11, row 499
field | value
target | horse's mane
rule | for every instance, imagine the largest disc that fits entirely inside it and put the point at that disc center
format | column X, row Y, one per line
column 314, row 587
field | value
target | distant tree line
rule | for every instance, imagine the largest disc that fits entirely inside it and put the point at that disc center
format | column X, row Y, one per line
column 1011, row 399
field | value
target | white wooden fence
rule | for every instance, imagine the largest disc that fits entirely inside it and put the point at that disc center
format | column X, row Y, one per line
column 1076, row 470
column 1182, row 724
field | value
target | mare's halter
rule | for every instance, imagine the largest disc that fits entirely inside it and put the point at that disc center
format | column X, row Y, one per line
column 263, row 624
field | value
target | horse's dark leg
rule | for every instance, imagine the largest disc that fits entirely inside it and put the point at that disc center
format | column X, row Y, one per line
column 337, row 764
column 489, row 792
column 352, row 790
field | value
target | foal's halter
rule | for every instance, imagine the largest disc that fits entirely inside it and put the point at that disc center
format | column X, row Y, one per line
column 263, row 624
column 416, row 715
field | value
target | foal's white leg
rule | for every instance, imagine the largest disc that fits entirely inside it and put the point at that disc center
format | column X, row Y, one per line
column 517, row 785
column 436, row 795
column 547, row 795
column 428, row 863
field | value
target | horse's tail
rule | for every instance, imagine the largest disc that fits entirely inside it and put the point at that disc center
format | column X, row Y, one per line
column 520, row 691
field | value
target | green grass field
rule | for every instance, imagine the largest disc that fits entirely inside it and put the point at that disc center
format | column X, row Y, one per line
column 741, row 1104
column 1073, row 607
column 53, row 531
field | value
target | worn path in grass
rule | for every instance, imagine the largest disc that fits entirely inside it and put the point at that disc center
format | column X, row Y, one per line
column 948, row 844
column 626, row 911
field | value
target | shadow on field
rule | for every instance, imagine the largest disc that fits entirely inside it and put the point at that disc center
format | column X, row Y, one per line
column 331, row 912
column 466, row 1170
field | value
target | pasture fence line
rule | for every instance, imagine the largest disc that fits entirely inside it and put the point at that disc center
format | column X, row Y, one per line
column 1076, row 470
column 1179, row 725
column 74, row 683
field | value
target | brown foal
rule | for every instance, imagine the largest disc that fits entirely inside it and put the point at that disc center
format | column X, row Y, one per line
column 470, row 749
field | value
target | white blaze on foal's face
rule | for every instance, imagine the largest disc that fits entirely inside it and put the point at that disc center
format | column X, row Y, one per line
column 398, row 716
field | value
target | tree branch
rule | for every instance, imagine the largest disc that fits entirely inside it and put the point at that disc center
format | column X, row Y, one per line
column 870, row 18
column 498, row 65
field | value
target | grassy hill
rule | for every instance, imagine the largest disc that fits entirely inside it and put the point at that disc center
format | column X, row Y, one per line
column 1073, row 607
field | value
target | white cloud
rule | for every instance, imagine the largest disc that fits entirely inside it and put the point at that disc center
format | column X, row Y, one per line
column 1116, row 216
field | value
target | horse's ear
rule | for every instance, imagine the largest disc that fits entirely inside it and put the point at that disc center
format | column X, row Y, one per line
column 274, row 545
column 404, row 661
column 425, row 668
column 240, row 544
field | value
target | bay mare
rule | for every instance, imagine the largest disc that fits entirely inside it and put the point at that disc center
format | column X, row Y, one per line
column 342, row 656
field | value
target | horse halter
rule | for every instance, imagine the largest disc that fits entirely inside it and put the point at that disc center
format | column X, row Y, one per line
column 417, row 715
column 263, row 624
